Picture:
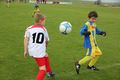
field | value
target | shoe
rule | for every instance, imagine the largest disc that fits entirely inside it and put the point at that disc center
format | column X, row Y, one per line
column 77, row 67
column 52, row 74
column 92, row 68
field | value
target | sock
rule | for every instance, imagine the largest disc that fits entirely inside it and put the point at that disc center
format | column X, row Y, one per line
column 40, row 75
column 48, row 67
column 85, row 59
column 93, row 61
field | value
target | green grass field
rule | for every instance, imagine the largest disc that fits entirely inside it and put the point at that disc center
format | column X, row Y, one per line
column 63, row 50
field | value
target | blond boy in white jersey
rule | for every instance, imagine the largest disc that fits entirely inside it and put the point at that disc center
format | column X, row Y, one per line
column 35, row 42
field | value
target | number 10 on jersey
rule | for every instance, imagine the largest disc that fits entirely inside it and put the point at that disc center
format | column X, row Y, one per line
column 38, row 38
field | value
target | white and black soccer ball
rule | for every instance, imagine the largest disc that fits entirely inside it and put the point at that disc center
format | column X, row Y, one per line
column 65, row 27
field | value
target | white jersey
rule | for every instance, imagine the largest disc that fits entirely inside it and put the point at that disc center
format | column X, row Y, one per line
column 37, row 36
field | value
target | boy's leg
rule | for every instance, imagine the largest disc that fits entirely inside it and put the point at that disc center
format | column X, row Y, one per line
column 8, row 4
column 42, row 68
column 41, row 73
column 45, row 1
column 33, row 14
column 85, row 59
column 82, row 61
column 96, row 55
column 93, row 61
column 48, row 67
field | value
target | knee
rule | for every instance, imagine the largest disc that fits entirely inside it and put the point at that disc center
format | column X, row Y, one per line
column 42, row 68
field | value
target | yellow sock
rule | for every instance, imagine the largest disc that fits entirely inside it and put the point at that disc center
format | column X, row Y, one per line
column 85, row 59
column 93, row 61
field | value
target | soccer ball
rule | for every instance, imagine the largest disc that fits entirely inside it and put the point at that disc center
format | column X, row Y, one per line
column 65, row 27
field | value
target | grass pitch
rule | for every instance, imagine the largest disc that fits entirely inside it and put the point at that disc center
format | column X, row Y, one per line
column 63, row 50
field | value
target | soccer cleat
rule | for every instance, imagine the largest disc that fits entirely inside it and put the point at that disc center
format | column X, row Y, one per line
column 77, row 67
column 93, row 68
column 52, row 74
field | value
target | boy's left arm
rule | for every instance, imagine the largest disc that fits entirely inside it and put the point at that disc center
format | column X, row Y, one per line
column 47, row 37
column 99, row 32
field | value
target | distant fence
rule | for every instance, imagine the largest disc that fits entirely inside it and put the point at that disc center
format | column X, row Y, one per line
column 15, row 0
column 54, row 2
column 48, row 1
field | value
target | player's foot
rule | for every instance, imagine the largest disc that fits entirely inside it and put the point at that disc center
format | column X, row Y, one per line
column 64, row 33
column 77, row 67
column 92, row 68
column 52, row 74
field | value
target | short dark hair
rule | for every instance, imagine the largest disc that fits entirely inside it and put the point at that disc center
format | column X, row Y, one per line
column 92, row 14
column 36, row 6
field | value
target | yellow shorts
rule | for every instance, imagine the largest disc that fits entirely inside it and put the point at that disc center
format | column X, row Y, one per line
column 94, row 51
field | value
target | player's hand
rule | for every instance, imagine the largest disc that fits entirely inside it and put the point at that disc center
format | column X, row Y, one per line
column 87, row 33
column 25, row 54
column 46, row 44
column 103, row 33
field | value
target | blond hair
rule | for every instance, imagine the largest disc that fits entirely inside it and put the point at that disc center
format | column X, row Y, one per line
column 38, row 16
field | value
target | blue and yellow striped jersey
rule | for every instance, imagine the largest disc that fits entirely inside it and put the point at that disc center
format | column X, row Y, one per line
column 90, row 40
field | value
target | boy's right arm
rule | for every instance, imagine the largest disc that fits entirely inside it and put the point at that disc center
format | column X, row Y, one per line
column 84, row 31
column 25, row 46
column 26, row 39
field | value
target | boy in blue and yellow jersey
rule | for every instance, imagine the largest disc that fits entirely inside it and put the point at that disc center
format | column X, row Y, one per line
column 36, row 9
column 89, row 31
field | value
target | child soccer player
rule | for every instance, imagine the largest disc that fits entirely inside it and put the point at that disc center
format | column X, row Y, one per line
column 44, row 1
column 89, row 31
column 8, row 3
column 35, row 42
column 36, row 9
